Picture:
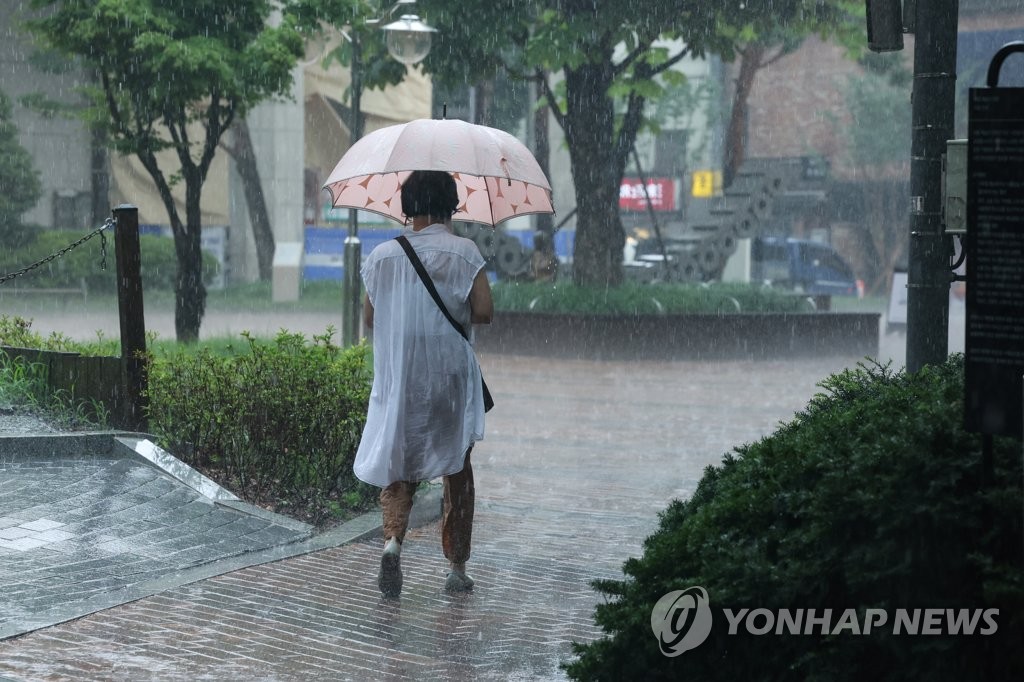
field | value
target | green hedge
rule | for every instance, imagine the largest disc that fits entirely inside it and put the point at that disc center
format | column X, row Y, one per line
column 278, row 421
column 870, row 498
column 159, row 263
column 644, row 299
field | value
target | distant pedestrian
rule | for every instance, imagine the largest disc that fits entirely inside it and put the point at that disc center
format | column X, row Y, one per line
column 543, row 263
column 426, row 406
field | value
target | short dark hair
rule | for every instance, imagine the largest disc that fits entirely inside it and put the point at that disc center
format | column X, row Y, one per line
column 429, row 193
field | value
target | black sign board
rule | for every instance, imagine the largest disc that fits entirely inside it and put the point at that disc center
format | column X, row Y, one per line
column 994, row 344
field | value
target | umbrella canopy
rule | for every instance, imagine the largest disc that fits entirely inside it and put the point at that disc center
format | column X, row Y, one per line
column 496, row 175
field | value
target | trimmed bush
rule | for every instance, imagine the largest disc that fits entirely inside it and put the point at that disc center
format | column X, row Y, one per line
column 872, row 497
column 644, row 299
column 277, row 422
column 159, row 264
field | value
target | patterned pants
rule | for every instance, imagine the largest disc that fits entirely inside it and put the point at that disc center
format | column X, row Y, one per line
column 456, row 520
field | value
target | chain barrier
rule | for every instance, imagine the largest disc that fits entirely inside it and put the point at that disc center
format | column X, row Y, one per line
column 109, row 223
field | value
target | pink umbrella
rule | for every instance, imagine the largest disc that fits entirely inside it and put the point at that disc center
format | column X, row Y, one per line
column 496, row 175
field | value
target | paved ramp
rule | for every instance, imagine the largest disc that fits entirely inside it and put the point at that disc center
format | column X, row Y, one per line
column 90, row 521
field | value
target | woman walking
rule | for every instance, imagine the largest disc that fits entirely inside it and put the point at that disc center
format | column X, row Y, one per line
column 426, row 406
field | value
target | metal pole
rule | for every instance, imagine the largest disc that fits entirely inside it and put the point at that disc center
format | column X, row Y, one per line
column 352, row 284
column 130, row 309
column 928, row 276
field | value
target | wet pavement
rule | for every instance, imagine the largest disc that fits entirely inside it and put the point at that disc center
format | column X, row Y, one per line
column 87, row 523
column 578, row 460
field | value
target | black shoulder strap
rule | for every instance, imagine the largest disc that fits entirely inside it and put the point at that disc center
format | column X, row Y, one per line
column 428, row 283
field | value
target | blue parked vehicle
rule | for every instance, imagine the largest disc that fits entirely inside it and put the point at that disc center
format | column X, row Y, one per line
column 806, row 267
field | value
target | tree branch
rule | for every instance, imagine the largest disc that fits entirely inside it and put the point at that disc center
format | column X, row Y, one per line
column 214, row 129
column 549, row 95
column 115, row 112
column 774, row 58
column 661, row 68
column 624, row 65
column 628, row 130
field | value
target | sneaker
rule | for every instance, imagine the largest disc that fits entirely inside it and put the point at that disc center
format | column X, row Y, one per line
column 458, row 581
column 389, row 580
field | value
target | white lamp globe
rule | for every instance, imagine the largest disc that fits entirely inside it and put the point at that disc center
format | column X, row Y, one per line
column 408, row 39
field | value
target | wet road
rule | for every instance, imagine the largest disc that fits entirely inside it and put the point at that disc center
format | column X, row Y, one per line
column 579, row 458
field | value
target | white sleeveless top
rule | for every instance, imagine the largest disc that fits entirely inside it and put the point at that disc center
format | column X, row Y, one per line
column 426, row 405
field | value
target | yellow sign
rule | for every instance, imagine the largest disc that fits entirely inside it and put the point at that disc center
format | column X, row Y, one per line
column 706, row 183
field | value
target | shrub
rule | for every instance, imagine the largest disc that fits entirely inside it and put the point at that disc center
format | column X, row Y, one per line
column 644, row 299
column 17, row 332
column 872, row 497
column 278, row 422
column 158, row 262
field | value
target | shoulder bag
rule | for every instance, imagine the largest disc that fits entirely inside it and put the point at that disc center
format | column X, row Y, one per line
column 429, row 284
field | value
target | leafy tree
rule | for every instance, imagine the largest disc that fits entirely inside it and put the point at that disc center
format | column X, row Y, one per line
column 766, row 48
column 174, row 74
column 19, row 181
column 609, row 60
column 877, row 133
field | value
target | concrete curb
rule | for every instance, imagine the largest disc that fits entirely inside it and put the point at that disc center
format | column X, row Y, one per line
column 427, row 508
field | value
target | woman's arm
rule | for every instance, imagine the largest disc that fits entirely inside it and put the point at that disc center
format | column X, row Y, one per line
column 480, row 303
column 367, row 313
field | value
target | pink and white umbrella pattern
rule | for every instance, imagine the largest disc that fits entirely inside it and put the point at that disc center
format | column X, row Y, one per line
column 496, row 175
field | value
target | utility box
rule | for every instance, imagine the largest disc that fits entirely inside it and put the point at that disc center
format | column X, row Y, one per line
column 954, row 187
column 287, row 272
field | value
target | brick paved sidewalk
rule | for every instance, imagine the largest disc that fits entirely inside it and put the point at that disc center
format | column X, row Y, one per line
column 578, row 460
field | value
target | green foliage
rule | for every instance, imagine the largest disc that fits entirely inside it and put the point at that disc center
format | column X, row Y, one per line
column 878, row 132
column 641, row 299
column 278, row 421
column 23, row 388
column 173, row 74
column 20, row 383
column 158, row 262
column 16, row 332
column 872, row 497
column 315, row 18
column 19, row 180
column 603, row 105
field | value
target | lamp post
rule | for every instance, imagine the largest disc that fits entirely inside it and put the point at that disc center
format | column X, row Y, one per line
column 408, row 41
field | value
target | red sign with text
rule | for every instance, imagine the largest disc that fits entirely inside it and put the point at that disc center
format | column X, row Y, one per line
column 661, row 190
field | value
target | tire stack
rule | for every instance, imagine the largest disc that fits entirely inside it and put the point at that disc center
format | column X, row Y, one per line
column 504, row 253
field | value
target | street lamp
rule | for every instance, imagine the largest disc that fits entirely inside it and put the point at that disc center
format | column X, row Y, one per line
column 408, row 41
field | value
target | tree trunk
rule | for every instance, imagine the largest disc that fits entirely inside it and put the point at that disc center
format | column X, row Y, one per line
column 484, row 109
column 736, row 133
column 542, row 152
column 596, row 170
column 262, row 232
column 189, row 291
column 99, row 170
